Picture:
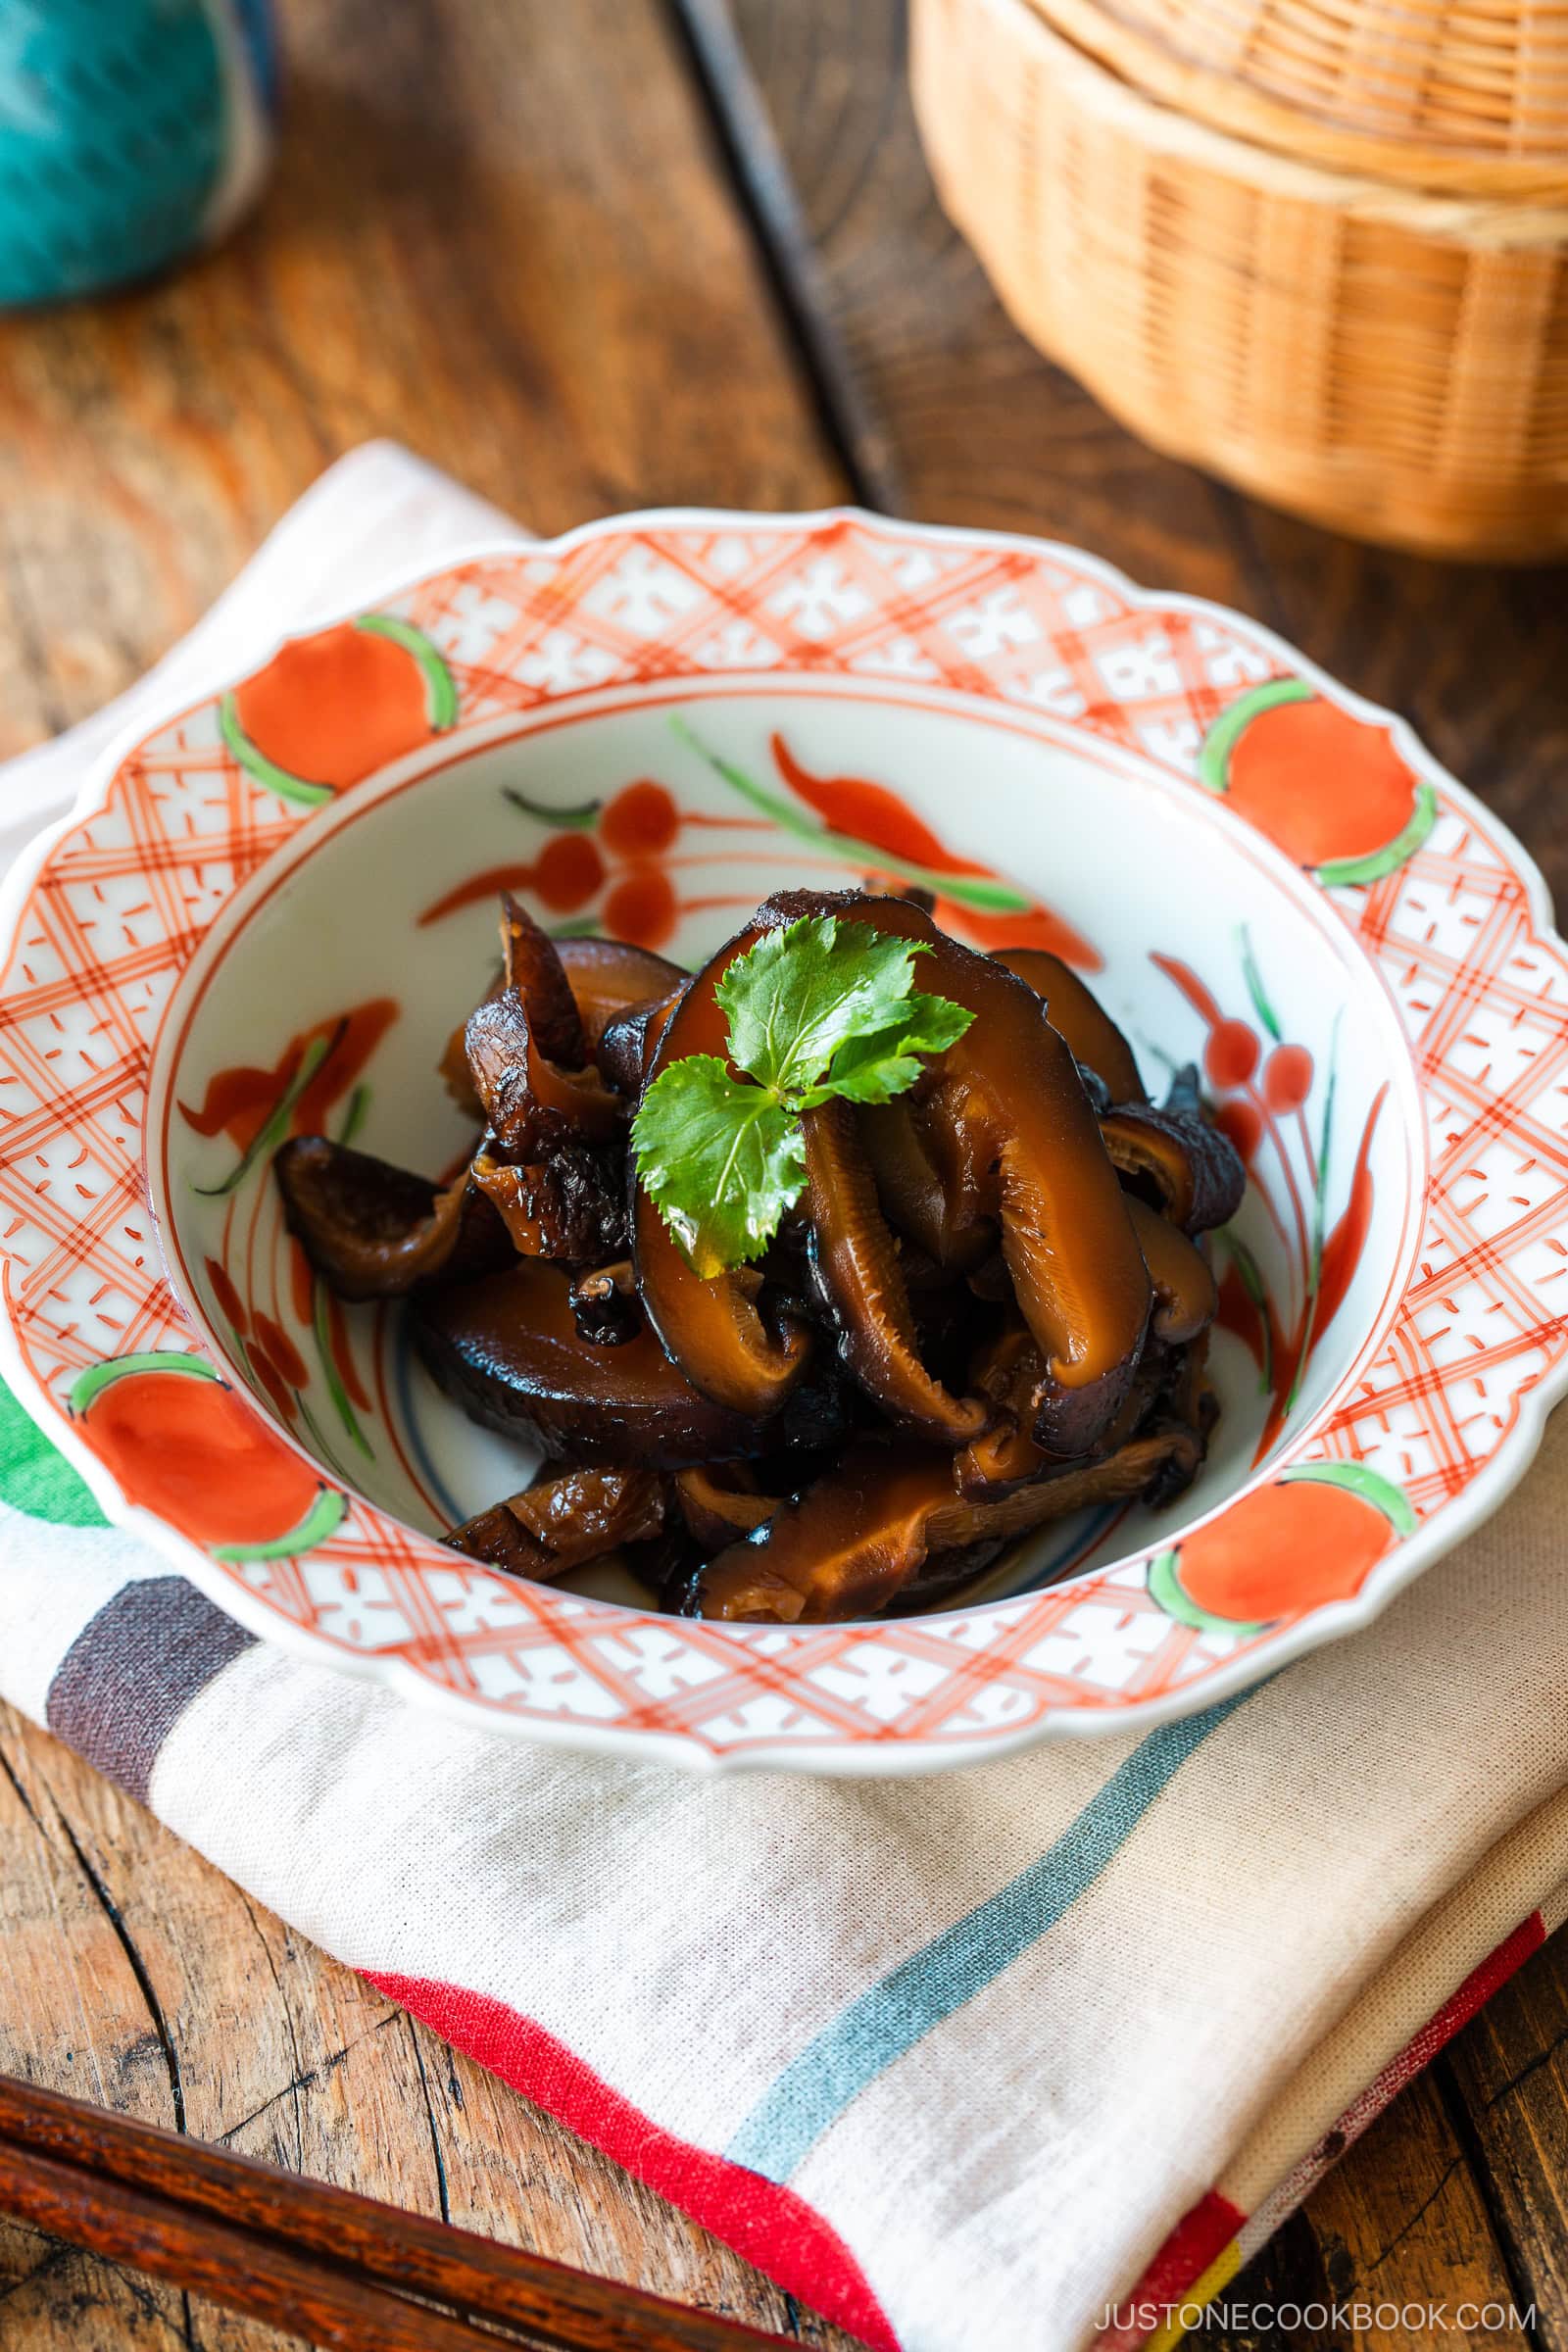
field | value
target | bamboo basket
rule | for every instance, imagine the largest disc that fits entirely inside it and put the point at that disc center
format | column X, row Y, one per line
column 1388, row 361
column 1471, row 100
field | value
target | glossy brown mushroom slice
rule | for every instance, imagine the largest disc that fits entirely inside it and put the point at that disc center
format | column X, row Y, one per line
column 527, row 1050
column 854, row 1541
column 938, row 1187
column 608, row 981
column 1066, row 1236
column 631, row 1037
column 565, row 1522
column 1185, row 1297
column 606, row 976
column 855, row 1261
column 1007, row 1371
column 1195, row 1171
column 605, row 1305
column 711, row 1325
column 531, row 967
column 371, row 1229
column 532, row 1102
column 720, row 1500
column 841, row 1549
column 509, row 1350
column 1076, row 1013
column 571, row 1205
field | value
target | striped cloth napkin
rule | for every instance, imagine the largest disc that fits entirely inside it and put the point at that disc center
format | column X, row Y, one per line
column 1027, row 2056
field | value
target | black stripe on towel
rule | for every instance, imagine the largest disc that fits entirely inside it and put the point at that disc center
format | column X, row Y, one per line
column 133, row 1670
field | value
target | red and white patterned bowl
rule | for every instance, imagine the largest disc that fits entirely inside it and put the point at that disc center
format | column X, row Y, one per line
column 268, row 915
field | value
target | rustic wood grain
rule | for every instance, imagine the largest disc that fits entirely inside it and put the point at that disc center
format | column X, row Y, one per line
column 1509, row 2073
column 531, row 242
column 499, row 231
column 133, row 1974
column 75, row 2012
column 952, row 417
column 360, row 2272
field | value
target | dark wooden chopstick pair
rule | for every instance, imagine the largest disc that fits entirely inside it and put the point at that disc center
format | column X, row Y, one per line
column 342, row 2271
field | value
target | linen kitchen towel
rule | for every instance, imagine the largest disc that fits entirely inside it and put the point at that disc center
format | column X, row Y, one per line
column 1015, row 2057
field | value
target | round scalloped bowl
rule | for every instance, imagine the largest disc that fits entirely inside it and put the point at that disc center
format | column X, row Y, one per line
column 269, row 914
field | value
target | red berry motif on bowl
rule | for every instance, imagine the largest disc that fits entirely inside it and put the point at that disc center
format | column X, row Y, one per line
column 1286, row 1078
column 1329, row 789
column 179, row 1443
column 619, row 883
column 1231, row 1054
column 1262, row 1087
column 328, row 711
column 1314, row 1536
column 617, row 842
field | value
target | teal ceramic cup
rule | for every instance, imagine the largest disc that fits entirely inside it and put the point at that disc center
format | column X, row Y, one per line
column 132, row 133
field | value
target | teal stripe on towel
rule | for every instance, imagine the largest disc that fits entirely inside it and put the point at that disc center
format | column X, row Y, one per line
column 890, row 2018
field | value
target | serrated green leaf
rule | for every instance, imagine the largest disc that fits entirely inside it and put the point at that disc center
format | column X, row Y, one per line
column 874, row 1067
column 803, row 991
column 816, row 1010
column 720, row 1159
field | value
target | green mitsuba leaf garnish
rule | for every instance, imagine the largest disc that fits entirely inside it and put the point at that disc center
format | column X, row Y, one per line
column 820, row 1009
column 722, row 1159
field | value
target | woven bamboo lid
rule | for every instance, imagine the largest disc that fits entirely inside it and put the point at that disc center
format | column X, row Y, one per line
column 1472, row 99
column 1388, row 360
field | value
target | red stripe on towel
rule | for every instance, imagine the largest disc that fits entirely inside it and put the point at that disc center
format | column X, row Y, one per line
column 770, row 2225
column 1203, row 2231
column 1461, row 2004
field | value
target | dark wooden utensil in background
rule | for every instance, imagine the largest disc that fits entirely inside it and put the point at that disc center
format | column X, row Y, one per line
column 342, row 2271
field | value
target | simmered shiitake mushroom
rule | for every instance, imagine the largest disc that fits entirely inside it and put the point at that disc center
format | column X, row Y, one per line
column 1066, row 1236
column 373, row 1231
column 566, row 1521
column 982, row 1302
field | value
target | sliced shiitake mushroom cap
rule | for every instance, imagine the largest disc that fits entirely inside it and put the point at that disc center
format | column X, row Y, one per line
column 932, row 1186
column 372, row 1230
column 527, row 1050
column 607, row 975
column 571, row 1205
column 605, row 1305
column 1185, row 1297
column 605, row 978
column 567, row 1521
column 862, row 1282
column 1193, row 1168
column 719, row 1501
column 533, row 969
column 509, row 1350
column 841, row 1549
column 631, row 1038
column 1066, row 1236
column 1007, row 1371
column 854, row 1541
column 1076, row 1013
column 531, row 1101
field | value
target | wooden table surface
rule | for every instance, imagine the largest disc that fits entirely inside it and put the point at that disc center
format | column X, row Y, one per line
column 614, row 254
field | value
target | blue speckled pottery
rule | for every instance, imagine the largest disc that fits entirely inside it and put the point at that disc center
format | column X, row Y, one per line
column 131, row 131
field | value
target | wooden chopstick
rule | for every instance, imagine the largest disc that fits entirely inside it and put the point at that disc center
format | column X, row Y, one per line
column 343, row 2271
